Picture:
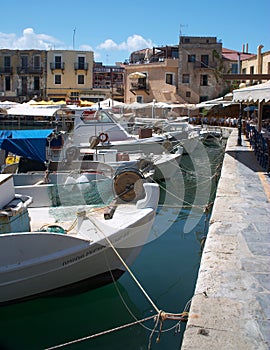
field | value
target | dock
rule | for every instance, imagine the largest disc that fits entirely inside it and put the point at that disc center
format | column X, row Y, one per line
column 230, row 308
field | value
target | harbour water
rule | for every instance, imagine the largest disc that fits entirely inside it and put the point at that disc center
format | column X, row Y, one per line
column 166, row 268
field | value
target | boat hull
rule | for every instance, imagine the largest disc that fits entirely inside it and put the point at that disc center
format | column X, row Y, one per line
column 48, row 262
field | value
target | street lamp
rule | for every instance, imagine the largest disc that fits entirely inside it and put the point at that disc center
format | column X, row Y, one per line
column 239, row 140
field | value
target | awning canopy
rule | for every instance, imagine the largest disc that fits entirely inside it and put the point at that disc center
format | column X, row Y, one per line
column 255, row 93
column 136, row 75
column 26, row 143
column 33, row 111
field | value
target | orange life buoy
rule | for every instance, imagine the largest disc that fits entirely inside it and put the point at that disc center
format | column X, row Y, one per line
column 103, row 137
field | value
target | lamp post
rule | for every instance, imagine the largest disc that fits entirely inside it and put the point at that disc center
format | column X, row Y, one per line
column 239, row 140
column 153, row 109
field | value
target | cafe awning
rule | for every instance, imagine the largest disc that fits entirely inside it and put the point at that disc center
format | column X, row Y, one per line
column 255, row 93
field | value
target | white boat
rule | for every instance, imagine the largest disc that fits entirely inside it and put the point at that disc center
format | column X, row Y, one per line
column 100, row 124
column 68, row 246
column 164, row 165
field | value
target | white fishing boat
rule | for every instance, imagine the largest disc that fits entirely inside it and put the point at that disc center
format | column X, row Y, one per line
column 52, row 249
column 164, row 165
column 101, row 125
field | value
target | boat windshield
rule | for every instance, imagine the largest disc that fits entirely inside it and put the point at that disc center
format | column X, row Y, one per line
column 96, row 117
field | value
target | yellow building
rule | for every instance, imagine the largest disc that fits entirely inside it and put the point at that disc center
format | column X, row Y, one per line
column 69, row 74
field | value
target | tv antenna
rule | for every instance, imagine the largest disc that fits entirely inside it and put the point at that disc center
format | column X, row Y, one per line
column 180, row 28
column 73, row 39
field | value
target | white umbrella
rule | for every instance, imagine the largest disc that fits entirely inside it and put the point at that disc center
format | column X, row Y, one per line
column 136, row 75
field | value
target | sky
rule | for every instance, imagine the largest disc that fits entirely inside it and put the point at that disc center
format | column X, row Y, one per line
column 114, row 29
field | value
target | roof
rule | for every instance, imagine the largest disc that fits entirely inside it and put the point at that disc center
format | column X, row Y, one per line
column 233, row 55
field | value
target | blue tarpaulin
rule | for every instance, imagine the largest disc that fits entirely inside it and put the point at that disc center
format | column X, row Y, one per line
column 26, row 143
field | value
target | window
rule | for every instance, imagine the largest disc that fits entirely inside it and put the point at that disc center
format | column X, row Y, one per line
column 244, row 71
column 24, row 61
column 81, row 63
column 36, row 83
column 80, row 79
column 58, row 79
column 204, row 80
column 139, row 99
column 7, row 84
column 7, row 61
column 251, row 70
column 204, row 60
column 36, row 62
column 234, row 68
column 58, row 62
column 188, row 94
column 191, row 58
column 203, row 98
column 169, row 78
column 185, row 78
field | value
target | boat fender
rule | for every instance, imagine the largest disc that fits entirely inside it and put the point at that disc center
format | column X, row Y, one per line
column 69, row 183
column 93, row 141
column 145, row 164
column 167, row 145
column 103, row 137
column 72, row 153
column 83, row 183
column 53, row 229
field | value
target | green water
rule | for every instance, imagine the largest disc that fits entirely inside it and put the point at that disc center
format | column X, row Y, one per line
column 167, row 269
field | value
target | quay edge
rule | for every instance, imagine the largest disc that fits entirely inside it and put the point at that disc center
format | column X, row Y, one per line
column 230, row 308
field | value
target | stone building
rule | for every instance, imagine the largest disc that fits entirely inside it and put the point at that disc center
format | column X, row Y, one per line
column 22, row 74
column 190, row 72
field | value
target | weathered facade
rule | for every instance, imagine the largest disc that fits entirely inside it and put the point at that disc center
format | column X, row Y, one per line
column 190, row 72
column 200, row 69
column 257, row 64
column 159, row 82
column 22, row 74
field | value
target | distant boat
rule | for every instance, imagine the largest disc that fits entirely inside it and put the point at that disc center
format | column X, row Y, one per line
column 52, row 249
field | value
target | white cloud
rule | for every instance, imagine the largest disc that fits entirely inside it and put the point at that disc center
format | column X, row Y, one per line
column 108, row 44
column 28, row 40
column 133, row 43
column 31, row 40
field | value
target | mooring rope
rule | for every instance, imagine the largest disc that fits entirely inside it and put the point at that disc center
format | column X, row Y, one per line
column 101, row 333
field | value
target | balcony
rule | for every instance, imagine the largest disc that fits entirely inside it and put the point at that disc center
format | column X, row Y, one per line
column 202, row 65
column 29, row 70
column 80, row 66
column 57, row 65
column 137, row 86
column 6, row 70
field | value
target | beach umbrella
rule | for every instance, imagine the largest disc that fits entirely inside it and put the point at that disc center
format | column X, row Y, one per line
column 136, row 75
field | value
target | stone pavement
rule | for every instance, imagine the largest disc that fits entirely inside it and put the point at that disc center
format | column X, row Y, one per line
column 231, row 304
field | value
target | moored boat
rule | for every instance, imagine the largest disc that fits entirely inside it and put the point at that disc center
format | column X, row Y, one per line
column 70, row 245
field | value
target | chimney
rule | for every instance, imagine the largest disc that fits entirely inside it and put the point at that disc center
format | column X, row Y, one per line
column 243, row 48
column 259, row 58
column 247, row 48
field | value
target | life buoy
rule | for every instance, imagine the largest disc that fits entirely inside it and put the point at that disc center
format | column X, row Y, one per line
column 103, row 137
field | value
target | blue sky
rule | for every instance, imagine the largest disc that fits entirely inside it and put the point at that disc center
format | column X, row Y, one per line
column 114, row 29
